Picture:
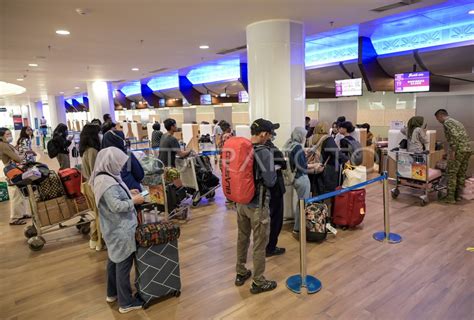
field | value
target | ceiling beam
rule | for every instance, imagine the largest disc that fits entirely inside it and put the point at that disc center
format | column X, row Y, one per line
column 375, row 77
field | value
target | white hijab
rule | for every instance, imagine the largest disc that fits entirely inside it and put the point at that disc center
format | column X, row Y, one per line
column 111, row 161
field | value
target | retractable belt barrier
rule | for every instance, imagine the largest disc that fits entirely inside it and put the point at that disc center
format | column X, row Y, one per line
column 145, row 149
column 209, row 153
column 312, row 284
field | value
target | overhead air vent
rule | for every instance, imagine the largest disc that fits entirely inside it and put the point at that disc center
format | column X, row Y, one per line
column 395, row 5
column 158, row 70
column 227, row 51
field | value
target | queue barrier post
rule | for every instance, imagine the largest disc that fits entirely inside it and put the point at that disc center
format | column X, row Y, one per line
column 386, row 235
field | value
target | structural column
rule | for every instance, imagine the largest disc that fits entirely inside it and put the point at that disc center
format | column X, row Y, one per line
column 57, row 110
column 101, row 100
column 36, row 112
column 276, row 74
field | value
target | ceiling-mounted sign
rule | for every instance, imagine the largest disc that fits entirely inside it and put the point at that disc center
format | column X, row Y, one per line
column 3, row 109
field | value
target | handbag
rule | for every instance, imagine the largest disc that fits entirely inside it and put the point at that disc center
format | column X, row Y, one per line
column 354, row 175
column 50, row 188
column 151, row 234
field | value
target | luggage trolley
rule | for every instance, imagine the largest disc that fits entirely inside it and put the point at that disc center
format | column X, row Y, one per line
column 197, row 177
column 56, row 214
column 413, row 172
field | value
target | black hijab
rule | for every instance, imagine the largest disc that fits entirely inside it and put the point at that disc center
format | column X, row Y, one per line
column 113, row 138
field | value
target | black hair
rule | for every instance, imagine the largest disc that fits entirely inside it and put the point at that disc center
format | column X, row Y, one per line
column 157, row 126
column 366, row 126
column 89, row 138
column 348, row 126
column 307, row 118
column 215, row 121
column 224, row 125
column 108, row 125
column 441, row 112
column 107, row 117
column 23, row 135
column 169, row 123
column 204, row 122
column 341, row 119
column 3, row 130
column 61, row 130
column 96, row 122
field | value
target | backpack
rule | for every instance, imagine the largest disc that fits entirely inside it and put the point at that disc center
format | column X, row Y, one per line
column 355, row 151
column 53, row 149
column 237, row 166
column 288, row 173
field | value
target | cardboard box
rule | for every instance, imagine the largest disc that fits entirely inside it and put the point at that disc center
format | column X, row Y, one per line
column 53, row 211
column 77, row 205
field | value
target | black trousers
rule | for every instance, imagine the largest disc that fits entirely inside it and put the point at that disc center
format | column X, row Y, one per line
column 276, row 219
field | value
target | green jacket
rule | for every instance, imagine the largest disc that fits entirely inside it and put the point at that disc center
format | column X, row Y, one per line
column 456, row 135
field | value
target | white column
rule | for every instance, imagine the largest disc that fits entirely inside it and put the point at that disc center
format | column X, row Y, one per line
column 36, row 112
column 276, row 74
column 101, row 100
column 57, row 111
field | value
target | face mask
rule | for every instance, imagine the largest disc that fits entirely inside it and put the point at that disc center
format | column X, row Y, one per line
column 10, row 140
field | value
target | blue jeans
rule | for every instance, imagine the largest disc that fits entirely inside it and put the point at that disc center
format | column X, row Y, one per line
column 303, row 190
column 118, row 281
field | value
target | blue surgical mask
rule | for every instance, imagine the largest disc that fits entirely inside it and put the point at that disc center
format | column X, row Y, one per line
column 10, row 140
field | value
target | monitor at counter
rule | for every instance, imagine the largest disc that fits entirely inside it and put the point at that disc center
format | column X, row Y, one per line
column 348, row 87
column 206, row 99
column 412, row 82
column 162, row 102
column 243, row 97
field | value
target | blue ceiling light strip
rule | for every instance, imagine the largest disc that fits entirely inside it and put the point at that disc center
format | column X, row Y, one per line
column 131, row 88
column 439, row 36
column 164, row 82
column 225, row 70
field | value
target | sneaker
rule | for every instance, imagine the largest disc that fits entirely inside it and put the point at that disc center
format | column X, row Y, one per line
column 241, row 278
column 134, row 306
column 276, row 252
column 92, row 244
column 266, row 285
column 111, row 299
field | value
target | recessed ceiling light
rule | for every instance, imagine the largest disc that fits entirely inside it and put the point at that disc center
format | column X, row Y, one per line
column 63, row 32
column 19, row 79
column 33, row 64
column 471, row 12
column 77, row 88
column 135, row 69
column 62, row 92
column 204, row 46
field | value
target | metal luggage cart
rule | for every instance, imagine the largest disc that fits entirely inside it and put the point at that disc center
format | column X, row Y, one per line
column 413, row 172
column 34, row 233
column 187, row 169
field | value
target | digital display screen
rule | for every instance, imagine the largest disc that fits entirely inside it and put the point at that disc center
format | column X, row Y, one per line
column 349, row 87
column 243, row 96
column 412, row 82
column 162, row 103
column 206, row 99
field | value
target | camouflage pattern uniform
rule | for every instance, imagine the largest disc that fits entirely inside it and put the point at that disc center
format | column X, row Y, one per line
column 458, row 140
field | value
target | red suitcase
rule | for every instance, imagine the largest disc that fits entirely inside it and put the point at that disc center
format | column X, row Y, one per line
column 349, row 208
column 72, row 180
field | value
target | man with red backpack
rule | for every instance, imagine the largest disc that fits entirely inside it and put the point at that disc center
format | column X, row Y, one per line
column 248, row 170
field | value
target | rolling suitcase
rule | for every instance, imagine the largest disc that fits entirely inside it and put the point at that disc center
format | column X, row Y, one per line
column 157, row 269
column 71, row 179
column 349, row 208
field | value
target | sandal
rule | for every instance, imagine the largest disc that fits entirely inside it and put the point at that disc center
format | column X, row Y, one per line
column 25, row 217
column 17, row 222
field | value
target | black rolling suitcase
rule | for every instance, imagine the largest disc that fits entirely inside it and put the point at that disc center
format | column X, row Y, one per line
column 157, row 261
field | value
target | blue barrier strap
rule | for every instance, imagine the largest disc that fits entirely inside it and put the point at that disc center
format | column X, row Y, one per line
column 145, row 149
column 344, row 190
column 210, row 153
column 140, row 142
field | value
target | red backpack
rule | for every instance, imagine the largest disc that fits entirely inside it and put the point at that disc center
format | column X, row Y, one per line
column 237, row 159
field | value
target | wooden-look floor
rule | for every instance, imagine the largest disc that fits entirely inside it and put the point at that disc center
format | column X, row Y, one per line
column 427, row 276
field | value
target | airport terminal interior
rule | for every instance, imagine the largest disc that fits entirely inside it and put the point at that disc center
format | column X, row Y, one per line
column 237, row 159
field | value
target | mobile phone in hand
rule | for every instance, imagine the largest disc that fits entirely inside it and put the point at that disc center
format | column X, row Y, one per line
column 144, row 193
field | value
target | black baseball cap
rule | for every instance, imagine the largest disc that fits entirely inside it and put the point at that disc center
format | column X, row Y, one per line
column 262, row 125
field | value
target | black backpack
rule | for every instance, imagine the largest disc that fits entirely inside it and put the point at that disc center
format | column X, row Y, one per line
column 356, row 152
column 53, row 149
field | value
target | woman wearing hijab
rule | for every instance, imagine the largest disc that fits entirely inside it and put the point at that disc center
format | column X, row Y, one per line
column 132, row 172
column 118, row 222
column 89, row 146
column 18, row 210
column 299, row 165
column 62, row 143
column 416, row 136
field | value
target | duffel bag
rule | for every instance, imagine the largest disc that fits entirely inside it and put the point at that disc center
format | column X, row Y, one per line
column 156, row 233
